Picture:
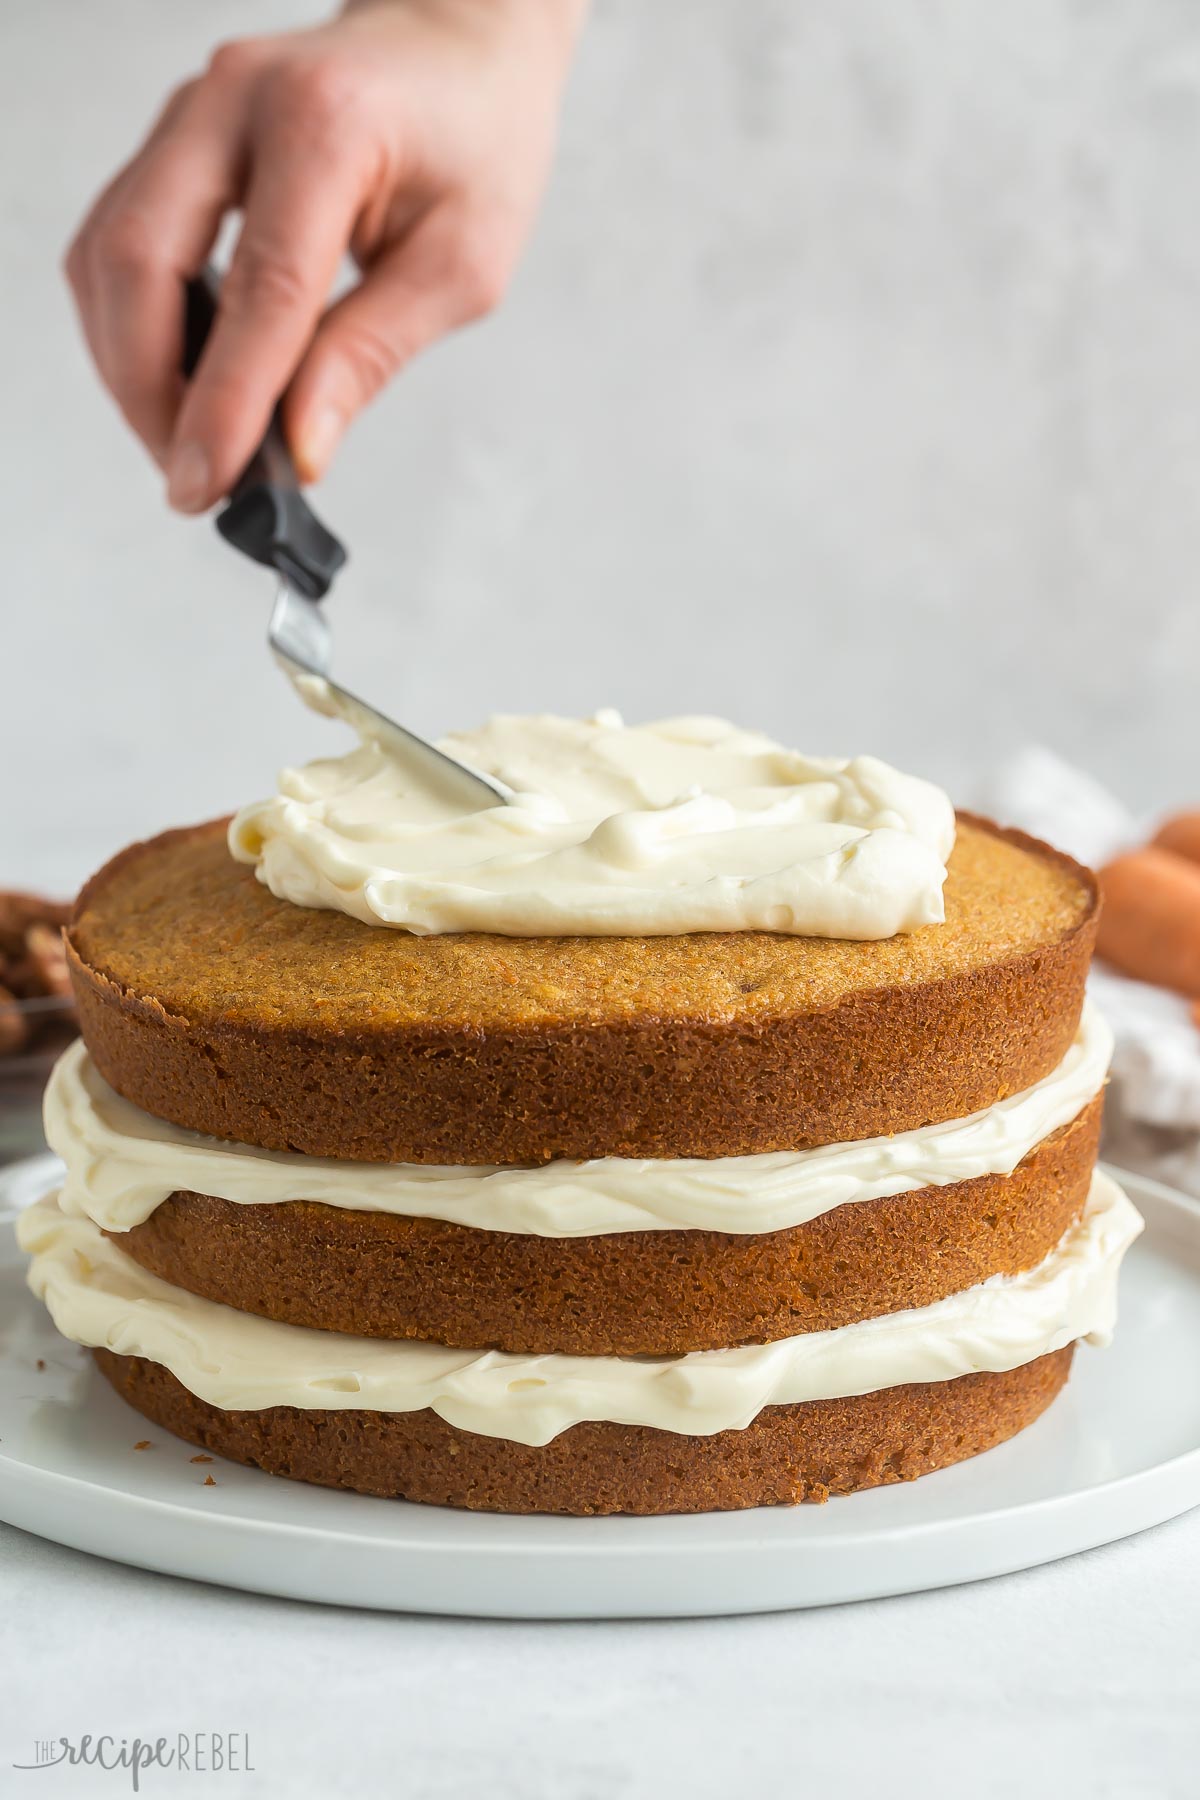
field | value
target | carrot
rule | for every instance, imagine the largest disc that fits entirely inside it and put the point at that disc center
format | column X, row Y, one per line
column 1181, row 834
column 1150, row 925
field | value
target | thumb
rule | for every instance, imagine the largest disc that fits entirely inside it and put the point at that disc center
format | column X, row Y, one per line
column 441, row 274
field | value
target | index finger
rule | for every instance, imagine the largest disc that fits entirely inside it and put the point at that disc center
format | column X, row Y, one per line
column 152, row 226
column 301, row 204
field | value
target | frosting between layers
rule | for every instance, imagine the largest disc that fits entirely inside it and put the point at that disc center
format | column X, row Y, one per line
column 99, row 1297
column 684, row 825
column 122, row 1163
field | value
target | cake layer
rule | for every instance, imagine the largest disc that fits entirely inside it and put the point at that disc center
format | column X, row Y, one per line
column 786, row 1455
column 122, row 1163
column 645, row 1293
column 98, row 1296
column 211, row 1004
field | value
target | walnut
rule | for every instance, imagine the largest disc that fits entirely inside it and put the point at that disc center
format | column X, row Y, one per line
column 19, row 911
column 14, row 1026
column 33, row 966
column 46, row 952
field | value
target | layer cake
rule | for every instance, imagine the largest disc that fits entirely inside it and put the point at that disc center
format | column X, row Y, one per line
column 596, row 1220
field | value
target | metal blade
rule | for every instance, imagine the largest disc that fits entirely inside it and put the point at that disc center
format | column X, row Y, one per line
column 300, row 637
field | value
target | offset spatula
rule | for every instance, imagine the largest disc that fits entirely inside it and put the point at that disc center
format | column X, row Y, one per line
column 268, row 518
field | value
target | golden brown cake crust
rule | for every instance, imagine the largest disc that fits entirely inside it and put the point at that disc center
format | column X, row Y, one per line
column 787, row 1454
column 626, row 1294
column 210, row 1003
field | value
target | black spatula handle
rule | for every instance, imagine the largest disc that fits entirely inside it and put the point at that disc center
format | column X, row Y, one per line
column 267, row 517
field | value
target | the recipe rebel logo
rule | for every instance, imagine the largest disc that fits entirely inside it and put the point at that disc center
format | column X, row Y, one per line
column 193, row 1753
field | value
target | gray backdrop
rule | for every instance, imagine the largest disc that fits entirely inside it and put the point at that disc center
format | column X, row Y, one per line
column 850, row 388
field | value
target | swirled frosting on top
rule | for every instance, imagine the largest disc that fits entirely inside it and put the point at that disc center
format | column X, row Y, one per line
column 654, row 830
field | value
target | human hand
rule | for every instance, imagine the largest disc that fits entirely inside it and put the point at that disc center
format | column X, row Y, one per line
column 416, row 134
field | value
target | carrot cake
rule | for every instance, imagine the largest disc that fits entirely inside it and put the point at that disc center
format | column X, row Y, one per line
column 709, row 1127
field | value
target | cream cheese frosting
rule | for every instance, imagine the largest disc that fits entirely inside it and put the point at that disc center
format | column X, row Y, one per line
column 684, row 825
column 98, row 1296
column 121, row 1163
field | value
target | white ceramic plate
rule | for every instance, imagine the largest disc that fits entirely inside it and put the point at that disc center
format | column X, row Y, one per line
column 1118, row 1451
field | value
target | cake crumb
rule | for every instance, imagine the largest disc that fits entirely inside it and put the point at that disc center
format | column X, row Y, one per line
column 144, row 1444
column 209, row 1482
column 200, row 1459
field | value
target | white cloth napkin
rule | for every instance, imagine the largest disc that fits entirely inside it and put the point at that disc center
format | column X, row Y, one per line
column 1152, row 1116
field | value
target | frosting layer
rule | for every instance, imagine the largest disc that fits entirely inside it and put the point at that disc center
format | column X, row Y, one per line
column 684, row 825
column 99, row 1297
column 122, row 1163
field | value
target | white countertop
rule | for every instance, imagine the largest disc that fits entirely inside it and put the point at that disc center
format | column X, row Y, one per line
column 1078, row 1679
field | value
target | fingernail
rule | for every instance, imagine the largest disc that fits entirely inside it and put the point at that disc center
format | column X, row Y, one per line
column 188, row 479
column 318, row 440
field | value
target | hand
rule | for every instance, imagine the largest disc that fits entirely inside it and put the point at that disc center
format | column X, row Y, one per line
column 415, row 133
